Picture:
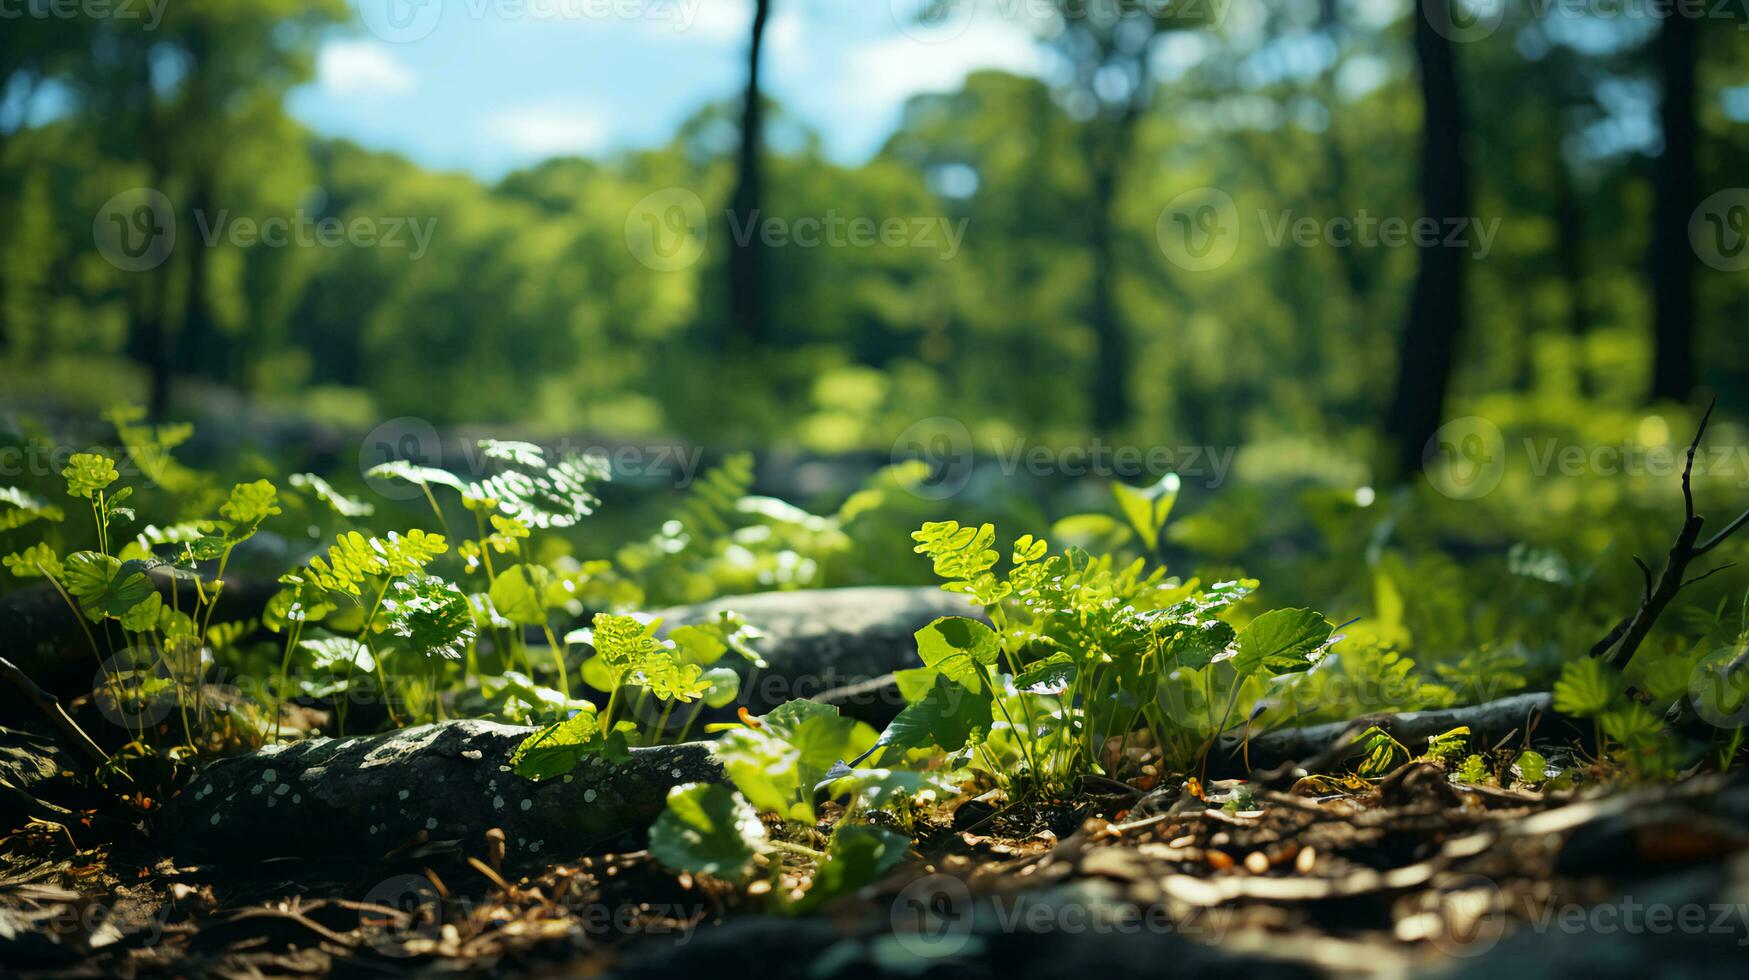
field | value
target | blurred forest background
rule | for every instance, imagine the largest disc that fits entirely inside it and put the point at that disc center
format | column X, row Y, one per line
column 1591, row 135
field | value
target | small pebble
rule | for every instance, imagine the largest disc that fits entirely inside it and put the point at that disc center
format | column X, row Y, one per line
column 1257, row 863
column 1304, row 861
column 1220, row 860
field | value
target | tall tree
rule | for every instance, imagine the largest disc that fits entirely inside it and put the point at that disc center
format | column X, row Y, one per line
column 1109, row 51
column 1436, row 306
column 32, row 49
column 748, row 316
column 1673, row 203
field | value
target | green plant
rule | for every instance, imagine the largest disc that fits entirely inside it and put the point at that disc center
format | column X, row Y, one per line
column 1078, row 651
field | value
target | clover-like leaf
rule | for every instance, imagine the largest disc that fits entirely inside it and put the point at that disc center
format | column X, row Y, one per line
column 105, row 586
column 88, row 474
column 35, row 561
column 251, row 503
column 707, row 829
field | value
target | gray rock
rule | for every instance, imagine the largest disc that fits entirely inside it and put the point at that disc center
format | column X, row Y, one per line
column 369, row 795
column 830, row 640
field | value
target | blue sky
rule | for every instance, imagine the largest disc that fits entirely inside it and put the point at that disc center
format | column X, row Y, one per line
column 487, row 86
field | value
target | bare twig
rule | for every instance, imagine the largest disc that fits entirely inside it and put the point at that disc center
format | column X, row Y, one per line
column 51, row 708
column 1618, row 648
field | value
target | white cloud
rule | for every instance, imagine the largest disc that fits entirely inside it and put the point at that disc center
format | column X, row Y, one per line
column 354, row 68
column 713, row 20
column 885, row 73
column 548, row 130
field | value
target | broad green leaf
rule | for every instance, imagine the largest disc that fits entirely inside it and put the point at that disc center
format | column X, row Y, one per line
column 958, row 647
column 144, row 615
column 725, row 687
column 946, row 718
column 337, row 654
column 915, row 683
column 557, row 748
column 518, row 593
column 1195, row 646
column 1094, row 533
column 707, row 829
column 768, row 770
column 1053, row 675
column 1147, row 508
column 1281, row 641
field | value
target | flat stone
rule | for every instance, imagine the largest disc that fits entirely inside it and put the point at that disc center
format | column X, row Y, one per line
column 821, row 641
column 369, row 795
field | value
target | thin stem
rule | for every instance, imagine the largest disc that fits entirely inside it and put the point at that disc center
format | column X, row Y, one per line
column 797, row 849
column 558, row 659
column 291, row 643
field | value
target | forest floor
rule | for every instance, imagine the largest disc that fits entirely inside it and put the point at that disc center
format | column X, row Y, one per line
column 1407, row 875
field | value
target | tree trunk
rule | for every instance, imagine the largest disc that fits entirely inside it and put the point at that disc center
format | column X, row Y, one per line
column 1436, row 316
column 1673, row 203
column 748, row 317
column 206, row 351
column 1111, row 398
column 1570, row 259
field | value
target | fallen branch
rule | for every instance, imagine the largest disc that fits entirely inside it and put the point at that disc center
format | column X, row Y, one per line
column 1285, row 755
